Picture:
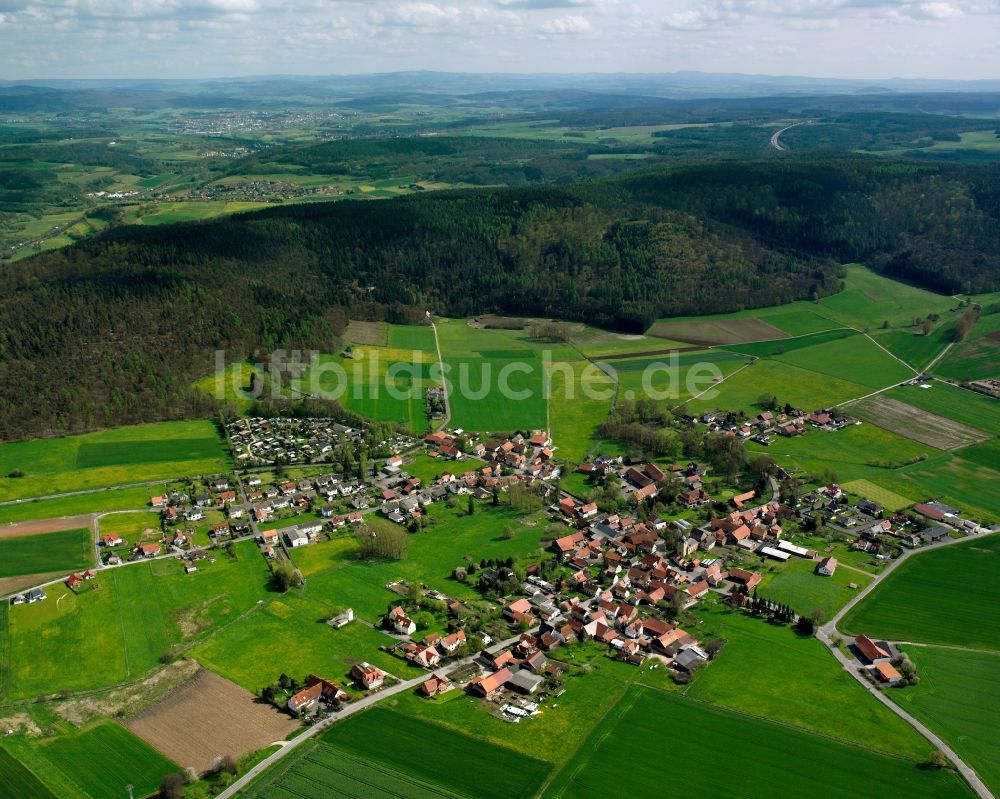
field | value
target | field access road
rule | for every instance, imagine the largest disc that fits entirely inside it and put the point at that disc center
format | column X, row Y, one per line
column 83, row 491
column 828, row 632
column 350, row 710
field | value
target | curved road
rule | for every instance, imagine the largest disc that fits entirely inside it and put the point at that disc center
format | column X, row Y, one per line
column 776, row 138
column 829, row 631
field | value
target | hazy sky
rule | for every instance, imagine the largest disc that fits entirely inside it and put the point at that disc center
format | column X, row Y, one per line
column 214, row 38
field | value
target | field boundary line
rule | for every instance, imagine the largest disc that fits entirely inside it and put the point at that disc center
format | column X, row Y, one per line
column 970, row 649
column 618, row 710
column 444, row 382
column 890, row 354
column 724, row 379
column 939, row 356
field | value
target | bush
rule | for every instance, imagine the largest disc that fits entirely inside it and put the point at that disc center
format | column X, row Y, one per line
column 172, row 786
column 286, row 576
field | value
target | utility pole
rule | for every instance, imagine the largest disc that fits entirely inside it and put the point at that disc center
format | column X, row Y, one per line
column 129, row 789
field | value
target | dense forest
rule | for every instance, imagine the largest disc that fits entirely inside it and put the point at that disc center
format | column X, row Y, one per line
column 114, row 329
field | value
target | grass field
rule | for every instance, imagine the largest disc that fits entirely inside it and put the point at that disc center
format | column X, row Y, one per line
column 385, row 753
column 105, row 757
column 959, row 698
column 769, row 671
column 913, row 346
column 128, row 619
column 675, row 377
column 854, row 358
column 978, row 356
column 112, row 457
column 18, row 782
column 969, row 485
column 948, row 596
column 762, row 757
column 796, row 583
column 289, row 635
column 952, row 402
column 803, row 388
column 920, row 425
column 67, row 550
column 93, row 502
column 575, row 415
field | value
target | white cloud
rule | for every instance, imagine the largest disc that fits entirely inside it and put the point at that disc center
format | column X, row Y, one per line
column 573, row 25
column 415, row 15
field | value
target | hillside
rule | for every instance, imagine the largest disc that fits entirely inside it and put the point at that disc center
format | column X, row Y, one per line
column 114, row 329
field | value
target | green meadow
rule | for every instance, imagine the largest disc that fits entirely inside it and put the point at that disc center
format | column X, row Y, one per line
column 788, row 761
column 125, row 621
column 92, row 502
column 576, row 409
column 962, row 405
column 111, row 457
column 959, row 698
column 67, row 550
column 18, row 782
column 854, row 358
column 978, row 356
column 946, row 596
column 768, row 671
column 796, row 583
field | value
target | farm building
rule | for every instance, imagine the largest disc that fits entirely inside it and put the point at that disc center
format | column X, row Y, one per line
column 827, row 566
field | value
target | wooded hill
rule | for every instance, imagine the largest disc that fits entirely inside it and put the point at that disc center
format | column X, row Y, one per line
column 113, row 330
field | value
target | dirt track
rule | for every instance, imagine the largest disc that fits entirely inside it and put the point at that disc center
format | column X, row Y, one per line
column 36, row 526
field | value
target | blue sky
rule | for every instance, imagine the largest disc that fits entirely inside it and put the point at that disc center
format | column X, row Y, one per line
column 214, row 38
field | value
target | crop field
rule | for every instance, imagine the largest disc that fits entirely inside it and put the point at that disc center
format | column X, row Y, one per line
column 95, row 502
column 854, row 358
column 67, row 550
column 209, row 717
column 767, row 349
column 978, row 356
column 111, row 457
column 789, row 762
column 986, row 454
column 132, row 527
column 959, row 698
column 946, row 596
column 18, row 782
column 889, row 500
column 324, row 771
column 674, row 377
column 742, row 677
column 103, row 758
column 803, row 388
column 796, row 583
column 920, row 425
column 968, row 407
column 127, row 620
column 968, row 485
column 717, row 331
column 437, row 755
column 289, row 635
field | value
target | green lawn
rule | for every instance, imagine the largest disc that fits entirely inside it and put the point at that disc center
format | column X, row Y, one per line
column 124, row 623
column 945, row 596
column 796, row 583
column 717, row 747
column 67, row 550
column 111, row 457
column 18, row 782
column 771, row 672
column 103, row 758
column 959, row 698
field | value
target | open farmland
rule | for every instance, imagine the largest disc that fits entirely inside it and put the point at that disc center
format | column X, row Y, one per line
column 912, row 422
column 74, row 506
column 962, row 405
column 717, row 331
column 18, row 782
column 742, row 678
column 959, row 698
column 946, row 596
column 209, row 717
column 112, row 457
column 789, row 762
column 889, row 500
column 854, row 358
column 968, row 484
column 576, row 409
column 978, row 356
column 127, row 619
column 67, row 550
column 103, row 758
